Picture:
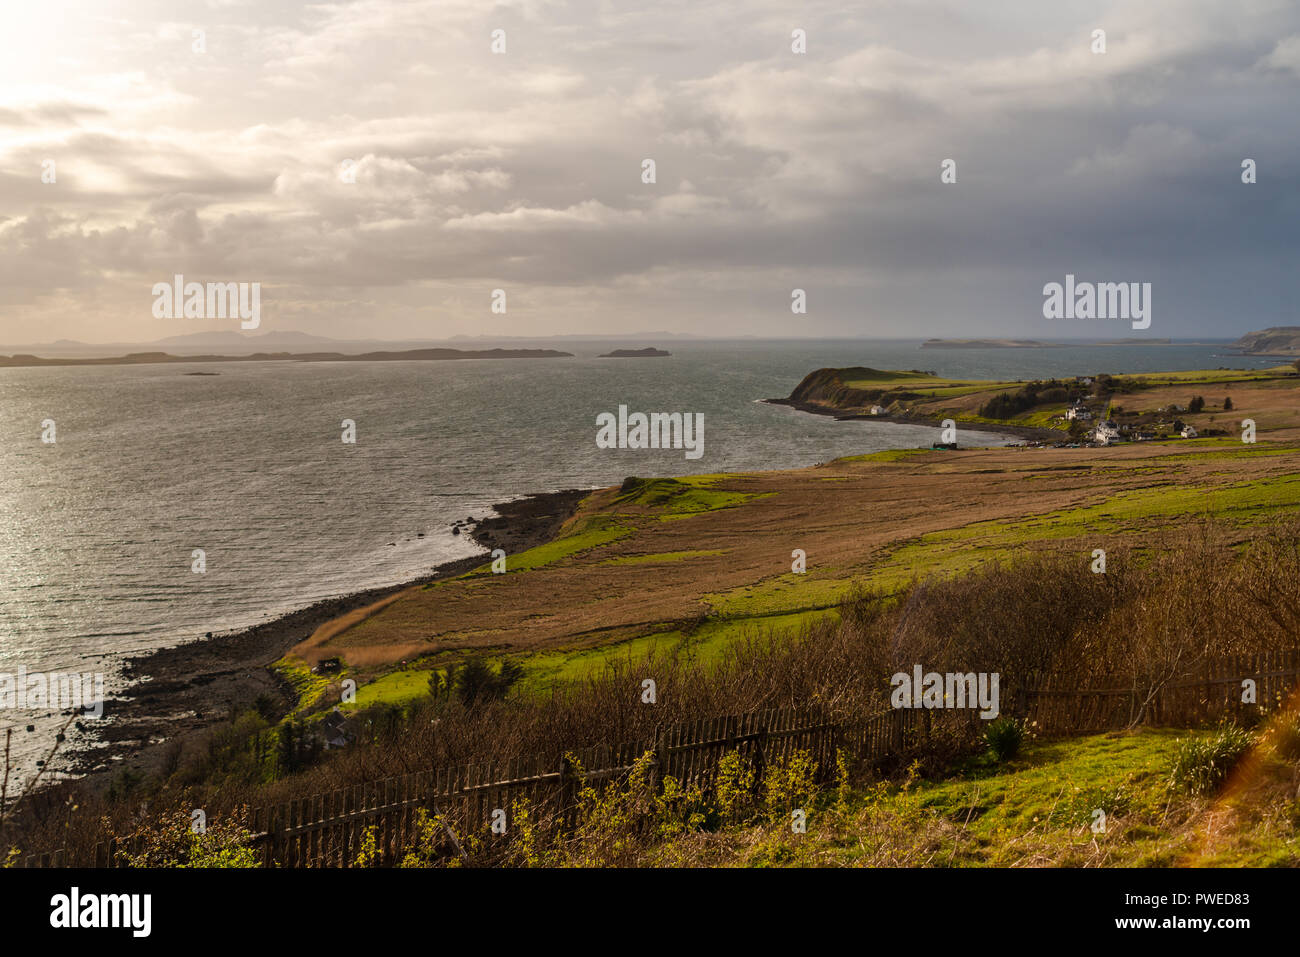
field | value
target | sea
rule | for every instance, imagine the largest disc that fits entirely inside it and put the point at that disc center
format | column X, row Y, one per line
column 100, row 530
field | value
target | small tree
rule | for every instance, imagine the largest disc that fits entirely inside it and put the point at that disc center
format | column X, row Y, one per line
column 1196, row 405
column 477, row 681
column 287, row 748
column 1227, row 404
column 474, row 682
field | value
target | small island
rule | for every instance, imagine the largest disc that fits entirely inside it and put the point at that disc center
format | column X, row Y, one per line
column 634, row 354
column 987, row 344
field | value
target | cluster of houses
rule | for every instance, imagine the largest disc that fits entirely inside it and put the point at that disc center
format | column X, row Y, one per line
column 1109, row 432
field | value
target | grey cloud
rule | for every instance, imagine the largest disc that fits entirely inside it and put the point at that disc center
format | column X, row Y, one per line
column 773, row 169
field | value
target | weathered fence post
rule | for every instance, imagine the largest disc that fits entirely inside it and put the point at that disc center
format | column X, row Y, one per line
column 760, row 755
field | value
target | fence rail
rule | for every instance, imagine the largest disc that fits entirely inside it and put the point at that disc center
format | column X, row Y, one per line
column 329, row 829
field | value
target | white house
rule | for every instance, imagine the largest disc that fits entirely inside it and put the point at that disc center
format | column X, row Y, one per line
column 1107, row 433
column 1188, row 432
column 877, row 410
column 1079, row 412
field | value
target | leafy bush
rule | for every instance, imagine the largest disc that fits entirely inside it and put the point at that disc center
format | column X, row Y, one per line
column 1201, row 764
column 790, row 785
column 224, row 842
column 1005, row 737
column 734, row 787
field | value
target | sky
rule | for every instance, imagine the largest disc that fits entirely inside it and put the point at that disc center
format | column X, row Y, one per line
column 226, row 156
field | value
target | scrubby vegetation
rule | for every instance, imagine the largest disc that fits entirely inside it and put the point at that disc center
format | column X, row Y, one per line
column 1006, row 736
column 1007, row 405
column 1202, row 763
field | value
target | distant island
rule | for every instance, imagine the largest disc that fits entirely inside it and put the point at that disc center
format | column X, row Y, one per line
column 987, row 344
column 633, row 354
column 1273, row 341
column 141, row 358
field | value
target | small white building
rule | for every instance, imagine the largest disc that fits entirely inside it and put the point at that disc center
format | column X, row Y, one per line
column 1188, row 432
column 1106, row 433
column 877, row 410
column 1079, row 412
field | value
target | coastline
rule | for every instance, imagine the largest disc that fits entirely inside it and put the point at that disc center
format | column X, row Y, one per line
column 1022, row 431
column 176, row 694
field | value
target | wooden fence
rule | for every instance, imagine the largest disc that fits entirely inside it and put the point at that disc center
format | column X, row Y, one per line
column 1213, row 693
column 52, row 859
column 329, row 829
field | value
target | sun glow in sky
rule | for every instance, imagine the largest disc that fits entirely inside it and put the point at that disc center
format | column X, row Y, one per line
column 522, row 170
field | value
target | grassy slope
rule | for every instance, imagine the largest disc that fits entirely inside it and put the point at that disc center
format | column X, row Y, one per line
column 1034, row 811
column 788, row 601
column 784, row 600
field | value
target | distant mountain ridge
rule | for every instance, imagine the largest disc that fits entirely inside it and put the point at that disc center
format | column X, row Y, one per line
column 145, row 358
column 230, row 342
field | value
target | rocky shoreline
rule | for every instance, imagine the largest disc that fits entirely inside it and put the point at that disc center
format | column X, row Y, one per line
column 177, row 694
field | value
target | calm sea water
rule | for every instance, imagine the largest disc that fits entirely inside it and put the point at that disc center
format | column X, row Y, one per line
column 97, row 530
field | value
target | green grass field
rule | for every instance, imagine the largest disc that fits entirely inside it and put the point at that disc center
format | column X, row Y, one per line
column 1040, row 809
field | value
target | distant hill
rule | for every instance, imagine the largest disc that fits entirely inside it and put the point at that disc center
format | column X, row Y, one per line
column 230, row 339
column 1273, row 341
column 233, row 342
